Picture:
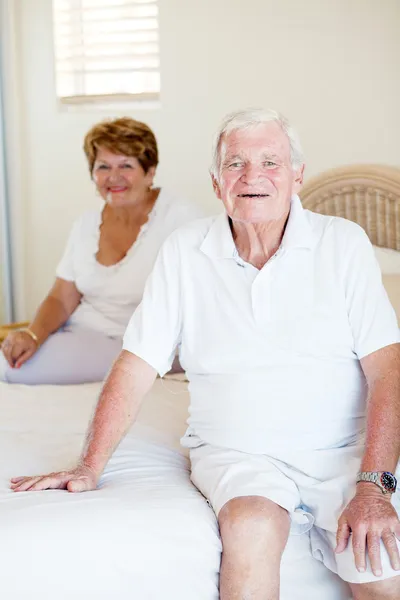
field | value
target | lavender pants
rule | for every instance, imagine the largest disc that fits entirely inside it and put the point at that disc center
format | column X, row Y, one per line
column 69, row 356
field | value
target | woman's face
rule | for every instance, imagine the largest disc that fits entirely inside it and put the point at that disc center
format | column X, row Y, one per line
column 120, row 180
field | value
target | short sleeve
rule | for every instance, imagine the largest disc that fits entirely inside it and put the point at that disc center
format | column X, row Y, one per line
column 154, row 330
column 372, row 318
column 65, row 269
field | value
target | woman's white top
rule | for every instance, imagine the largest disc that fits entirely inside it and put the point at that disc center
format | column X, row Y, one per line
column 110, row 294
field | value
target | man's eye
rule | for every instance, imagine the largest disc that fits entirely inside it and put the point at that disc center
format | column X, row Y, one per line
column 269, row 163
column 235, row 165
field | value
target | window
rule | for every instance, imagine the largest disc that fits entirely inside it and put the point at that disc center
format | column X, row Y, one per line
column 106, row 50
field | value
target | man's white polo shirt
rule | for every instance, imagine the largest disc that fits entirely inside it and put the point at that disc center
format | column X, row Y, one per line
column 272, row 356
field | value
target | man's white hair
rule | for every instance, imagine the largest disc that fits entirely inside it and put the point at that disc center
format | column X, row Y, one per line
column 245, row 119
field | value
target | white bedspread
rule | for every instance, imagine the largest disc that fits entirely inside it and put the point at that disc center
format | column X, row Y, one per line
column 146, row 533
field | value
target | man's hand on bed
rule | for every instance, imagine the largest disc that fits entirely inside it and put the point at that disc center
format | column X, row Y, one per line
column 369, row 518
column 81, row 479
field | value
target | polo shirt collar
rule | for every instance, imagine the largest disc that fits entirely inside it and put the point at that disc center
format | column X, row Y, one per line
column 219, row 243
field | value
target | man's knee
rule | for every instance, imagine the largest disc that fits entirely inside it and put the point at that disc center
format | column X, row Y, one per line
column 254, row 521
column 388, row 589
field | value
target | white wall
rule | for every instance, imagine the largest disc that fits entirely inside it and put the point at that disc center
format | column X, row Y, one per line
column 331, row 67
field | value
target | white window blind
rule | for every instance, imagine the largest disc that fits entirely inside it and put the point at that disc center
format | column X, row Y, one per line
column 106, row 49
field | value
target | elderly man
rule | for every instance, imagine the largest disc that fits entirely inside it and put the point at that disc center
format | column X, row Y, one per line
column 292, row 352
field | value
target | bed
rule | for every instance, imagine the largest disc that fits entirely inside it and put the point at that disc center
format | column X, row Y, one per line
column 146, row 532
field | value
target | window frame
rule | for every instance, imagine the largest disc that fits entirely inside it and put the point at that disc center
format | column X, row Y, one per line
column 106, row 101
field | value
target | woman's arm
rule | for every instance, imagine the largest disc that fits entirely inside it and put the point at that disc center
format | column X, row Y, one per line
column 55, row 309
column 58, row 306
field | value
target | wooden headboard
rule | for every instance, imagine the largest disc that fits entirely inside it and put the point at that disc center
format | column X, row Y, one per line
column 366, row 194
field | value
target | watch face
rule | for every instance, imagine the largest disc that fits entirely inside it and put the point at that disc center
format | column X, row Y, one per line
column 389, row 482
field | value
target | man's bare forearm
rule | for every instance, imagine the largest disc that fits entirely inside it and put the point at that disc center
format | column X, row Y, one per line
column 382, row 448
column 120, row 400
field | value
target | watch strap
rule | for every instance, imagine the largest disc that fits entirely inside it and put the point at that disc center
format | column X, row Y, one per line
column 371, row 477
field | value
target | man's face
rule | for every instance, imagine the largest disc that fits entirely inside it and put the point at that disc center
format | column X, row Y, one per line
column 256, row 179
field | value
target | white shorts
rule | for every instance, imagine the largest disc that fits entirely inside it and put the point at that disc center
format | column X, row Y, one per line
column 314, row 487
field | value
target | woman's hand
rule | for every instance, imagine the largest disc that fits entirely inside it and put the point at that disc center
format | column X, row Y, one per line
column 18, row 347
column 80, row 479
column 55, row 310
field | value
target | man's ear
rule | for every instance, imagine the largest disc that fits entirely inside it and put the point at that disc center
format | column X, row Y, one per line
column 216, row 188
column 298, row 179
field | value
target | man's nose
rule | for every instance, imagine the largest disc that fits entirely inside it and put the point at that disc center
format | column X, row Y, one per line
column 252, row 173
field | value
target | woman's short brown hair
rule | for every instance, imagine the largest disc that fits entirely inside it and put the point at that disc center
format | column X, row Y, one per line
column 122, row 136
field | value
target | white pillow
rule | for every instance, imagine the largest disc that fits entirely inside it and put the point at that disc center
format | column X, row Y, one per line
column 388, row 259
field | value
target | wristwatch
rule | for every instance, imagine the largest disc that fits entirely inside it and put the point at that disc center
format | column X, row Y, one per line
column 386, row 481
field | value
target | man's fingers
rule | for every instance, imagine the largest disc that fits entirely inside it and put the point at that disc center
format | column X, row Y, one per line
column 359, row 549
column 342, row 536
column 41, row 482
column 51, row 482
column 25, row 484
column 389, row 539
column 73, row 481
column 374, row 552
column 396, row 531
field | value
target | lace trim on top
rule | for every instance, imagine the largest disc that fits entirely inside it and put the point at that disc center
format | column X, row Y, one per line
column 139, row 239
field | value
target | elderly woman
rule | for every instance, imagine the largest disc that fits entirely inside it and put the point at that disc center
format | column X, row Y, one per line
column 77, row 330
